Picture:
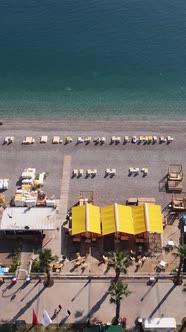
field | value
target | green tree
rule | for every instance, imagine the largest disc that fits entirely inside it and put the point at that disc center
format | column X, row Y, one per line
column 120, row 262
column 45, row 259
column 117, row 290
column 181, row 253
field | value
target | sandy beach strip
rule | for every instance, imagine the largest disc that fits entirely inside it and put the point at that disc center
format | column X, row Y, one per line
column 50, row 158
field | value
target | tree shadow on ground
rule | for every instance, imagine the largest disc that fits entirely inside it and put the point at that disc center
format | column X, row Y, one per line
column 162, row 301
column 27, row 305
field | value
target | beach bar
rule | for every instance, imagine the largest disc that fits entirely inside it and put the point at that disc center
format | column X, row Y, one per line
column 85, row 222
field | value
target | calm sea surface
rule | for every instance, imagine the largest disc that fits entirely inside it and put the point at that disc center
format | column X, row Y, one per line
column 97, row 59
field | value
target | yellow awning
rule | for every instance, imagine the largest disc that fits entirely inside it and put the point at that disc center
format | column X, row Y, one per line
column 94, row 219
column 108, row 220
column 86, row 218
column 78, row 220
column 154, row 218
column 125, row 221
column 138, row 214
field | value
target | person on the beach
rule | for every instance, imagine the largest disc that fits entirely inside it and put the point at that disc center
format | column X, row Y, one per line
column 68, row 312
column 60, row 307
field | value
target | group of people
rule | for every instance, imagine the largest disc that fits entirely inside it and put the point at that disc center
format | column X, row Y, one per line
column 57, row 311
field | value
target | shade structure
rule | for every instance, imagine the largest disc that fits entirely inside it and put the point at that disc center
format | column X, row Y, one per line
column 139, row 223
column 108, row 220
column 131, row 220
column 153, row 218
column 86, row 218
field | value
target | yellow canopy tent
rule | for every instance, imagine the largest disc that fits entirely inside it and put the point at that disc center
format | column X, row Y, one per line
column 131, row 220
column 86, row 218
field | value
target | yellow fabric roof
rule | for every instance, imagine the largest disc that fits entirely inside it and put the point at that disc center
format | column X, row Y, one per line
column 138, row 215
column 154, row 218
column 125, row 221
column 108, row 220
column 78, row 220
column 94, row 219
column 86, row 218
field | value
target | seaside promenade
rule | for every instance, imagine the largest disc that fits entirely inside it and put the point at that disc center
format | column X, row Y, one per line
column 80, row 297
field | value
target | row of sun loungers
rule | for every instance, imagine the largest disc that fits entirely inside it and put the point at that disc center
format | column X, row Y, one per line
column 80, row 172
column 136, row 171
column 97, row 140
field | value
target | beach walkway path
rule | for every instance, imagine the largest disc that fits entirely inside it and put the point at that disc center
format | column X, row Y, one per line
column 57, row 245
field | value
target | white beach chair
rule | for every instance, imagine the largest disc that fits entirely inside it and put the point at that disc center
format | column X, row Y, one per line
column 94, row 172
column 134, row 170
column 162, row 139
column 170, row 139
column 88, row 139
column 126, row 139
column 145, row 171
column 142, row 139
column 102, row 140
column 75, row 172
column 107, row 172
column 81, row 171
column 112, row 172
column 80, row 140
column 113, row 139
column 154, row 139
column 5, row 183
column 43, row 139
column 134, row 139
column 96, row 139
column 88, row 172
column 118, row 140
column 1, row 184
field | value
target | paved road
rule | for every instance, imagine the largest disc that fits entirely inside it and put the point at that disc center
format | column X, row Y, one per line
column 84, row 298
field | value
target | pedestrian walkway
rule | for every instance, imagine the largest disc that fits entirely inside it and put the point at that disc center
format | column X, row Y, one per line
column 62, row 206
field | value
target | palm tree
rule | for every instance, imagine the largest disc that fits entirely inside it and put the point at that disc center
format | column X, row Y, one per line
column 117, row 290
column 181, row 253
column 45, row 258
column 120, row 262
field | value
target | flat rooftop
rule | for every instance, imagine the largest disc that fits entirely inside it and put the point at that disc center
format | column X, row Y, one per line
column 24, row 218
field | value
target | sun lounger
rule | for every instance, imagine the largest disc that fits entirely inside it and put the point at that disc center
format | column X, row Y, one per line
column 96, row 139
column 107, row 171
column 113, row 171
column 94, row 172
column 9, row 139
column 88, row 172
column 81, row 171
column 56, row 140
column 68, row 139
column 80, row 140
column 102, row 140
column 88, row 139
column 126, row 139
column 1, row 184
column 142, row 139
column 162, row 139
column 113, row 139
column 75, row 172
column 28, row 140
column 118, row 139
column 134, row 139
column 43, row 139
column 144, row 171
column 154, row 139
column 170, row 139
column 133, row 170
column 5, row 183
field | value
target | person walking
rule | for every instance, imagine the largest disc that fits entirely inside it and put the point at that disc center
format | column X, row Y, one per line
column 60, row 307
column 68, row 312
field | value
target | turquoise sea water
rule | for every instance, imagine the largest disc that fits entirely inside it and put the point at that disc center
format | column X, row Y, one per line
column 101, row 59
